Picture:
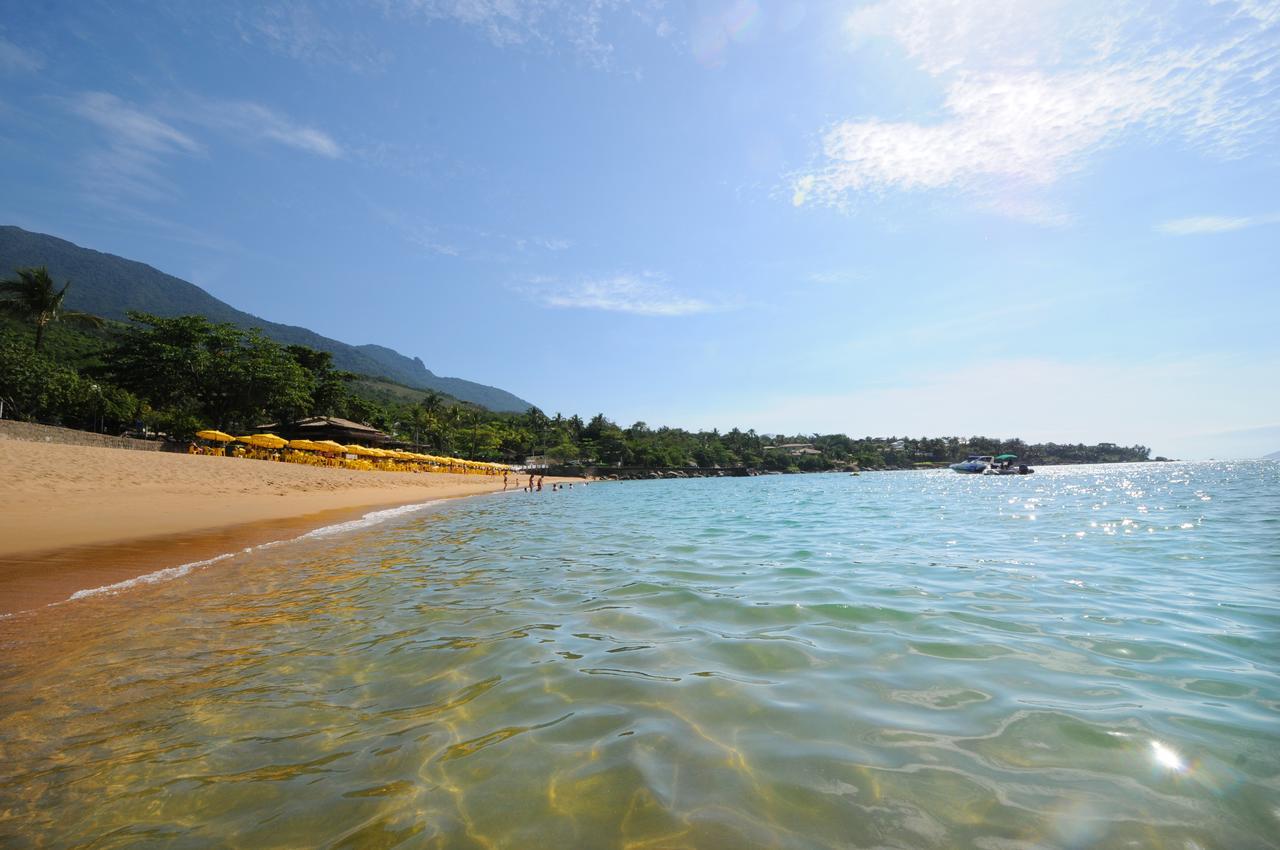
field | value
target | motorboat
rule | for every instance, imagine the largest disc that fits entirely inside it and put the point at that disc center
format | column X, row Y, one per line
column 974, row 464
column 1007, row 465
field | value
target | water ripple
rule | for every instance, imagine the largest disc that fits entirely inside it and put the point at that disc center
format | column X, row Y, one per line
column 1084, row 657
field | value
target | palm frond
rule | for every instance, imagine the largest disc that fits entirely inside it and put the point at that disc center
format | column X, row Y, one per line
column 84, row 320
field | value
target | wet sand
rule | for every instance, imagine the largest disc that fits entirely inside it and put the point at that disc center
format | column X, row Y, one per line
column 75, row 517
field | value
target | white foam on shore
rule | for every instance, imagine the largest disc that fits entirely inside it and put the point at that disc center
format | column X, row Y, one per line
column 150, row 578
column 169, row 573
column 365, row 521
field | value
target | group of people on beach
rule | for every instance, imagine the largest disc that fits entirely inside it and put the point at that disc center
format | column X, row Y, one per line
column 535, row 483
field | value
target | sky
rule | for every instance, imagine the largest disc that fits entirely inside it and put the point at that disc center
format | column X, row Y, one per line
column 1052, row 220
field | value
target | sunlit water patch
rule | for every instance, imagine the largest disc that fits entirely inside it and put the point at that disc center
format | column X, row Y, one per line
column 1086, row 657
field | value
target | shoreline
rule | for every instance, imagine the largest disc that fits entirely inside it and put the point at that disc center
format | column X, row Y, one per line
column 78, row 518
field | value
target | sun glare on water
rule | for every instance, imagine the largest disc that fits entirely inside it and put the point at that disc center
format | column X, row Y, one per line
column 1167, row 758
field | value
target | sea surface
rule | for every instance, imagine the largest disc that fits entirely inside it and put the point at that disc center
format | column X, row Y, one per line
column 1084, row 657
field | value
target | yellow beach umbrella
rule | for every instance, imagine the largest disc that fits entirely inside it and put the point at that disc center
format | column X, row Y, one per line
column 358, row 451
column 329, row 446
column 304, row 444
column 214, row 435
column 267, row 441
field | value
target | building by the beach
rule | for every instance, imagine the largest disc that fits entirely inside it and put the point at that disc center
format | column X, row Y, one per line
column 330, row 428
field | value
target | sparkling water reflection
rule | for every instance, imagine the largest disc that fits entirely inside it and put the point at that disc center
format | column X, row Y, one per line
column 1084, row 657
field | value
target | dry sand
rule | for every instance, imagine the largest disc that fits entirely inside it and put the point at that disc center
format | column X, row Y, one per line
column 73, row 517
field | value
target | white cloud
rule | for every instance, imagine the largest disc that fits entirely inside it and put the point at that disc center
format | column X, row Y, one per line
column 644, row 294
column 524, row 243
column 137, row 144
column 579, row 24
column 432, row 245
column 15, row 59
column 129, row 126
column 1033, row 91
column 242, row 118
column 1197, row 225
column 298, row 30
column 835, row 277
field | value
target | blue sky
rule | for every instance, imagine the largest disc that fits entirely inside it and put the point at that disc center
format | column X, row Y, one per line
column 1056, row 220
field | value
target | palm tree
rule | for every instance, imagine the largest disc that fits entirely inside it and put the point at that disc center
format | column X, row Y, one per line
column 473, row 418
column 431, row 402
column 452, row 418
column 31, row 297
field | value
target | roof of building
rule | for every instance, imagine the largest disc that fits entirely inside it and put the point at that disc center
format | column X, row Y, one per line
column 335, row 422
column 317, row 426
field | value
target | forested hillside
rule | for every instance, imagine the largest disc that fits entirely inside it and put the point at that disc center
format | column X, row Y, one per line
column 110, row 286
column 177, row 375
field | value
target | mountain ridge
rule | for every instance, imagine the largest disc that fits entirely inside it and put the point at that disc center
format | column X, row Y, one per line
column 109, row 285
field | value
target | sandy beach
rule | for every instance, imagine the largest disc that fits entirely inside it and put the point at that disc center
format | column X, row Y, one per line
column 73, row 517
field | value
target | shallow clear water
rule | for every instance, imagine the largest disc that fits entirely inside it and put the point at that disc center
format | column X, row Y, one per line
column 1086, row 657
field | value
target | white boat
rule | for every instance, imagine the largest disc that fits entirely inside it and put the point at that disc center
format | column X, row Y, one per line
column 1007, row 465
column 974, row 464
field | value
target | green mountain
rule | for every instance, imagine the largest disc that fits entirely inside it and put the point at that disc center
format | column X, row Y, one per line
column 109, row 286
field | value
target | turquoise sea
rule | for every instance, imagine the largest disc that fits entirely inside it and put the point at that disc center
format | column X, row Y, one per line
column 1084, row 657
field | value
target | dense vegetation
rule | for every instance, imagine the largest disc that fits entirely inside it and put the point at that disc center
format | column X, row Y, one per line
column 176, row 375
column 112, row 287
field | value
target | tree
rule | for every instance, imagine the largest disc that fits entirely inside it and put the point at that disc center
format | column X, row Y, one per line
column 563, row 453
column 216, row 373
column 432, row 402
column 473, row 420
column 451, row 419
column 536, row 421
column 33, row 297
column 33, row 387
column 328, row 386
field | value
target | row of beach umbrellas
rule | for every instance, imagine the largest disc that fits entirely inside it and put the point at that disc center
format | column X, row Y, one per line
column 271, row 441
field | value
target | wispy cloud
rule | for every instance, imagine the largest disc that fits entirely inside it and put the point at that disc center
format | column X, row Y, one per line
column 245, row 119
column 1033, row 91
column 454, row 240
column 1198, row 225
column 526, row 243
column 137, row 145
column 835, row 277
column 139, row 142
column 580, row 25
column 15, row 59
column 416, row 231
column 128, row 126
column 300, row 30
column 642, row 294
column 430, row 242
